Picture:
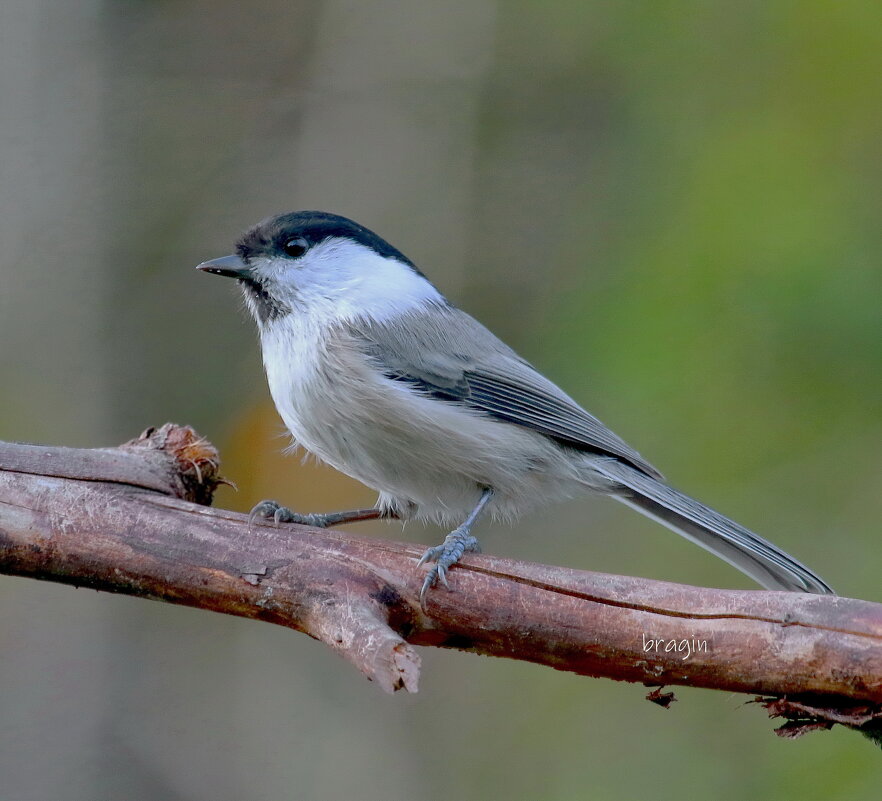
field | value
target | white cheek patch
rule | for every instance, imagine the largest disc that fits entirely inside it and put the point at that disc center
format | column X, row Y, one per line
column 343, row 279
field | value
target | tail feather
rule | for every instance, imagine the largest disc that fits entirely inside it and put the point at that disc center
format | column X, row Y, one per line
column 741, row 548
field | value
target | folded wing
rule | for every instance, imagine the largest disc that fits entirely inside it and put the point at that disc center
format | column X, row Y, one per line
column 448, row 355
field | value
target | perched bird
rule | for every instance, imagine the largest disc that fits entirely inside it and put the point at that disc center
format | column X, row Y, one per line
column 376, row 373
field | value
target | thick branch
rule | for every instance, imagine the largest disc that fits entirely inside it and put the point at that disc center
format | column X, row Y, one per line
column 123, row 520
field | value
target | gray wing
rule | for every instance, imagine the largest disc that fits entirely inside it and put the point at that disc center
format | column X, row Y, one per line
column 447, row 354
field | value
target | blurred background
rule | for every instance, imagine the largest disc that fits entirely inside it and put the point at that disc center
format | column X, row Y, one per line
column 673, row 209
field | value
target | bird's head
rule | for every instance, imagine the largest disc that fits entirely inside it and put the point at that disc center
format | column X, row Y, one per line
column 319, row 263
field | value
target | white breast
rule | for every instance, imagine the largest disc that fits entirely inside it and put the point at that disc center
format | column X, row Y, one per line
column 294, row 356
column 328, row 396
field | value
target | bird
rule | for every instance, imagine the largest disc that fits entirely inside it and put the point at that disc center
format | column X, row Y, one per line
column 375, row 372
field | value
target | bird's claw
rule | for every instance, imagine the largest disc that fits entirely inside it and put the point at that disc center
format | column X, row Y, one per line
column 445, row 555
column 431, row 555
column 265, row 510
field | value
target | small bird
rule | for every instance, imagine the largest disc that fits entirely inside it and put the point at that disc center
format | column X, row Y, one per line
column 376, row 373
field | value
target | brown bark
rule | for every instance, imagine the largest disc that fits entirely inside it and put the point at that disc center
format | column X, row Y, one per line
column 123, row 520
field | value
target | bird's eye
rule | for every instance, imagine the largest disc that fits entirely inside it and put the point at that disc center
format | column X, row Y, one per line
column 295, row 247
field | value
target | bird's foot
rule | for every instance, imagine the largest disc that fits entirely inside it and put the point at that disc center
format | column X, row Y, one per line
column 448, row 553
column 270, row 510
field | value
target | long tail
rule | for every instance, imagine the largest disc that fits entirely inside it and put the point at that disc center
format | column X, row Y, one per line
column 750, row 553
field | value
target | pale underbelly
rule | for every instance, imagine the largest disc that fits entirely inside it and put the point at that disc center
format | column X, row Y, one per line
column 434, row 463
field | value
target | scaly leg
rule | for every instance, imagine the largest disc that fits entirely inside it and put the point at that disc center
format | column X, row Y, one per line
column 270, row 510
column 449, row 552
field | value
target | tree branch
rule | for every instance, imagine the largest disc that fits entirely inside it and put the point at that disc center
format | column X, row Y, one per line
column 130, row 520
